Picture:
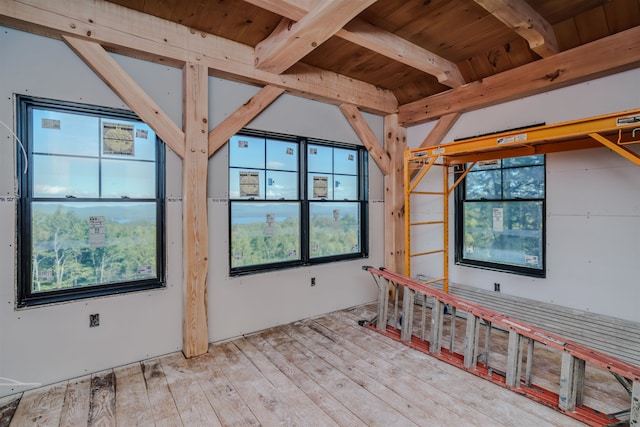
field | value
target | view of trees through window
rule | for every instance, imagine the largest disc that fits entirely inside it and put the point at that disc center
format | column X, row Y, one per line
column 294, row 202
column 91, row 203
column 501, row 215
column 64, row 255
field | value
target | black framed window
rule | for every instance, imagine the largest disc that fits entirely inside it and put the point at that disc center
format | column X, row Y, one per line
column 295, row 201
column 500, row 216
column 91, row 206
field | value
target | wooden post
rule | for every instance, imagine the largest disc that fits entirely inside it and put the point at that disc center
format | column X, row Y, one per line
column 395, row 138
column 195, row 336
column 395, row 143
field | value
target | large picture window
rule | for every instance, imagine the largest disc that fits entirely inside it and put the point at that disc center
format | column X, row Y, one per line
column 90, row 214
column 295, row 202
column 500, row 216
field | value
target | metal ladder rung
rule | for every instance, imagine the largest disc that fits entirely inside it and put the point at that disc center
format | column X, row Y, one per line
column 434, row 193
column 426, row 222
column 427, row 253
column 428, row 282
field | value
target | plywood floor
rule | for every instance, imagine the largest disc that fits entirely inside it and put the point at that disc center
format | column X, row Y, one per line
column 321, row 372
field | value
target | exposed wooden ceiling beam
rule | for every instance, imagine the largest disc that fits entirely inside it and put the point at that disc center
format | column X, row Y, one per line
column 292, row 41
column 144, row 36
column 610, row 55
column 129, row 91
column 403, row 51
column 242, row 116
column 368, row 138
column 524, row 20
column 385, row 43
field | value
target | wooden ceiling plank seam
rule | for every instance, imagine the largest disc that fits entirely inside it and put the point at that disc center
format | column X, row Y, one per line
column 621, row 15
column 143, row 36
column 242, row 116
column 524, row 20
column 129, row 91
column 195, row 337
column 615, row 53
column 592, row 25
column 388, row 44
column 368, row 138
column 567, row 33
column 292, row 41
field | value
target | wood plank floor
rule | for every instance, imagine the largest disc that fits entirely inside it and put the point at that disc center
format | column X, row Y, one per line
column 326, row 371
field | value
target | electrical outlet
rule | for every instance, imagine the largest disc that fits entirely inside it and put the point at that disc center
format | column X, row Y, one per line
column 496, row 287
column 313, row 281
column 94, row 320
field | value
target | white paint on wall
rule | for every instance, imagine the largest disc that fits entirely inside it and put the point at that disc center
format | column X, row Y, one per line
column 244, row 304
column 54, row 342
column 593, row 203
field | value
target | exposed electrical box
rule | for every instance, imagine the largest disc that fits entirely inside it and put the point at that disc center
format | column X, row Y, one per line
column 94, row 320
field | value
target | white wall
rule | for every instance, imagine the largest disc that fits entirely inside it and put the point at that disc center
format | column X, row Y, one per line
column 50, row 343
column 593, row 203
column 238, row 305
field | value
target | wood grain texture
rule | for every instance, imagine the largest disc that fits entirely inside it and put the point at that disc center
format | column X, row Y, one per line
column 366, row 135
column 75, row 411
column 395, row 144
column 163, row 405
column 144, row 36
column 102, row 406
column 524, row 20
column 321, row 371
column 242, row 116
column 133, row 407
column 41, row 406
column 129, row 91
column 195, row 337
column 614, row 54
column 291, row 41
column 386, row 43
column 192, row 404
column 8, row 406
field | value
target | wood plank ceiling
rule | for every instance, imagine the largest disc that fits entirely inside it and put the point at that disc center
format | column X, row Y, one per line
column 414, row 48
